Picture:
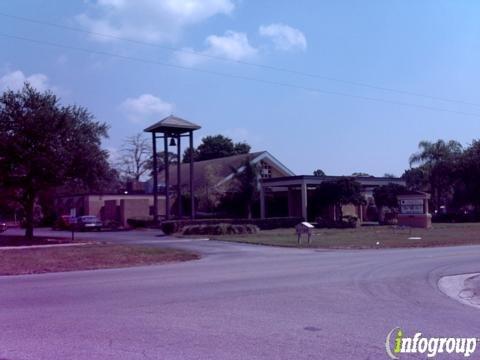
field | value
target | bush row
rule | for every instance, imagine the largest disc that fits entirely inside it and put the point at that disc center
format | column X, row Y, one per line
column 140, row 222
column 220, row 229
column 173, row 226
column 346, row 222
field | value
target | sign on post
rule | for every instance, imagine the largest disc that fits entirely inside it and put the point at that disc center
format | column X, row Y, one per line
column 73, row 221
column 304, row 228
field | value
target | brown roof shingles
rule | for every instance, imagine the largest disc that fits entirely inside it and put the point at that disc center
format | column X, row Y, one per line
column 207, row 173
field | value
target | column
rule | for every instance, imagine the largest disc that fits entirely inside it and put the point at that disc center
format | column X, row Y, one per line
column 192, row 197
column 304, row 196
column 179, row 180
column 262, row 202
column 155, row 179
column 167, row 177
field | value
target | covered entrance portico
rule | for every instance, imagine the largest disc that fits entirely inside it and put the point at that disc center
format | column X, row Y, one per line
column 297, row 189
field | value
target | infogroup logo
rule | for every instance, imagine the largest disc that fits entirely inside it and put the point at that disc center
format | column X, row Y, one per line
column 400, row 344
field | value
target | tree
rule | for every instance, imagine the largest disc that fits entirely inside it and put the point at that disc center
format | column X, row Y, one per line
column 241, row 148
column 386, row 196
column 135, row 156
column 44, row 145
column 361, row 174
column 439, row 161
column 172, row 160
column 243, row 191
column 217, row 146
column 247, row 178
column 467, row 189
column 416, row 178
column 319, row 172
column 343, row 191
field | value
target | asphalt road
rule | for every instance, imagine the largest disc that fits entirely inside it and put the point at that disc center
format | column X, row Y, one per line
column 237, row 302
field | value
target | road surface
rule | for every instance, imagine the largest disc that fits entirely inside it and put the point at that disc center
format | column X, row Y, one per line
column 237, row 302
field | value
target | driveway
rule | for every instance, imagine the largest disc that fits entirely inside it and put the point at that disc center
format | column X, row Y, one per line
column 237, row 302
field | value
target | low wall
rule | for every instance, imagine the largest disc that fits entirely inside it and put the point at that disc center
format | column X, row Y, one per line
column 418, row 221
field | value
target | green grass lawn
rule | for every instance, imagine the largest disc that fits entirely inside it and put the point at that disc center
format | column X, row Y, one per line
column 86, row 257
column 368, row 236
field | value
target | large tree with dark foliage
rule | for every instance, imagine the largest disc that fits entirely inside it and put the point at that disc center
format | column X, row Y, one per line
column 44, row 144
column 386, row 196
column 343, row 191
column 438, row 161
column 467, row 186
column 216, row 146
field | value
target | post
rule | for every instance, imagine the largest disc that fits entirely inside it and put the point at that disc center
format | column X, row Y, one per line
column 167, row 176
column 192, row 198
column 262, row 202
column 155, row 179
column 304, row 196
column 179, row 181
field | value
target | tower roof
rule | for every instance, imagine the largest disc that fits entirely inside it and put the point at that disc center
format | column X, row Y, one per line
column 173, row 124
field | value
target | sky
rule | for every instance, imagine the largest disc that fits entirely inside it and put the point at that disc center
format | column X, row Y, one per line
column 342, row 86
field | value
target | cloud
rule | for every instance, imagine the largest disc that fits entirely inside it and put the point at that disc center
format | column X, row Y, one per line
column 284, row 37
column 149, row 20
column 146, row 107
column 232, row 45
column 14, row 80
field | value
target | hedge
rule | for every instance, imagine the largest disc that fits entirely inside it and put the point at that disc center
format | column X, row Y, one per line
column 220, row 229
column 174, row 226
column 140, row 221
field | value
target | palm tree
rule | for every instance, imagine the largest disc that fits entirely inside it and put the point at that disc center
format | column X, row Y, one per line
column 438, row 160
column 247, row 182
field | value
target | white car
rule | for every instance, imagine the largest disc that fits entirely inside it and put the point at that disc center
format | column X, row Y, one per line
column 88, row 222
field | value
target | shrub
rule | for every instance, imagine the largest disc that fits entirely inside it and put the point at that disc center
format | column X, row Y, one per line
column 169, row 227
column 112, row 224
column 390, row 218
column 348, row 221
column 220, row 229
column 140, row 222
column 173, row 226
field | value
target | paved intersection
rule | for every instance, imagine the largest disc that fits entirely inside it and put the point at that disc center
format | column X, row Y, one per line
column 237, row 302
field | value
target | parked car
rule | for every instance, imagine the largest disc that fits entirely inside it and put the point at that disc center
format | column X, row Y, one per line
column 3, row 226
column 88, row 222
column 65, row 222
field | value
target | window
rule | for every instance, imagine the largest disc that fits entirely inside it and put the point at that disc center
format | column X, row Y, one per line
column 266, row 170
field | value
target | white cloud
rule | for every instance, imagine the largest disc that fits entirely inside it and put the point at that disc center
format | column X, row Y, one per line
column 232, row 45
column 146, row 107
column 284, row 37
column 149, row 20
column 14, row 80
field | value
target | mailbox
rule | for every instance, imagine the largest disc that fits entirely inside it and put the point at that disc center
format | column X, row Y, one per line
column 304, row 228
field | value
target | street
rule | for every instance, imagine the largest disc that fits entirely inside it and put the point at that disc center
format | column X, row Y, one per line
column 237, row 302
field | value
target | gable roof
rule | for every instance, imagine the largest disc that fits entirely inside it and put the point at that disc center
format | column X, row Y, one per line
column 215, row 172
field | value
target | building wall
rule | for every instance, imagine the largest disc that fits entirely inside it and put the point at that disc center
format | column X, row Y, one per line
column 108, row 207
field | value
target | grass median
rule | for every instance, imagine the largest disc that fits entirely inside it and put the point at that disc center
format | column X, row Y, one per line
column 367, row 237
column 85, row 257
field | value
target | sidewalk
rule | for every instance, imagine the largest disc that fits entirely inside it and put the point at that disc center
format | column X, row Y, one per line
column 464, row 288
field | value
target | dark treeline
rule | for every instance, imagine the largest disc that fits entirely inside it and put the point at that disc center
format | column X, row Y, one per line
column 450, row 173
